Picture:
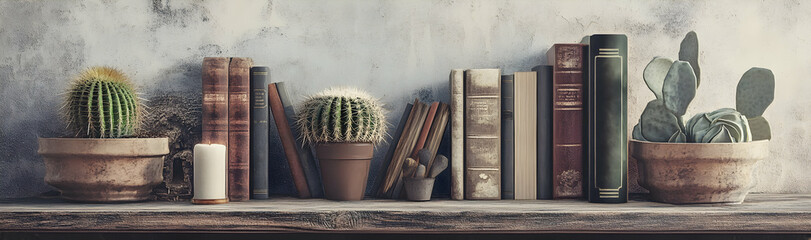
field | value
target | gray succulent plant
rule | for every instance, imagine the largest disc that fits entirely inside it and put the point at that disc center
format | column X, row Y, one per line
column 674, row 84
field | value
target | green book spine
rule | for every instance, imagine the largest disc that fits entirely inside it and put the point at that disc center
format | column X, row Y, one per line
column 608, row 121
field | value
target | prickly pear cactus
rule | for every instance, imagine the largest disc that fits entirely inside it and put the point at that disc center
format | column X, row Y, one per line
column 658, row 124
column 688, row 51
column 754, row 94
column 720, row 126
column 341, row 115
column 102, row 103
column 679, row 87
column 655, row 73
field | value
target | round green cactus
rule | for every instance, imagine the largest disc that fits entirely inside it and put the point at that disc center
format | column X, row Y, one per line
column 341, row 115
column 724, row 125
column 102, row 103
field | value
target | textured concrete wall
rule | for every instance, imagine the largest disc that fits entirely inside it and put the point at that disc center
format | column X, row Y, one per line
column 398, row 50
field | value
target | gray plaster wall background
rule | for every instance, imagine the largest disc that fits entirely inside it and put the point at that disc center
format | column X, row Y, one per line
column 397, row 50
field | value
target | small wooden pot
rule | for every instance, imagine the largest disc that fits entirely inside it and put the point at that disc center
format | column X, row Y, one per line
column 104, row 170
column 344, row 169
column 684, row 173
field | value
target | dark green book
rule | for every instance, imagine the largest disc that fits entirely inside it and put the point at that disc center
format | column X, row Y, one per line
column 608, row 121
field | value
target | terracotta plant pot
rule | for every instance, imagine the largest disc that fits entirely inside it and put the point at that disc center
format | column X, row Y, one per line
column 683, row 173
column 104, row 170
column 344, row 169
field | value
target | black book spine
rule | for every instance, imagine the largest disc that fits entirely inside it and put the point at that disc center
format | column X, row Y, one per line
column 507, row 137
column 544, row 131
column 259, row 133
column 305, row 154
column 608, row 121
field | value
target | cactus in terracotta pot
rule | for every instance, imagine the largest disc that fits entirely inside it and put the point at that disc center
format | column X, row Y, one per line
column 344, row 124
column 102, row 103
column 104, row 163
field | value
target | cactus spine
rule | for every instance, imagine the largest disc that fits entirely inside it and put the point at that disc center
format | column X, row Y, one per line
column 341, row 115
column 102, row 103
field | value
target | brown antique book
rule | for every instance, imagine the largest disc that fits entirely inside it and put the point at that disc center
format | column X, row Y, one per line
column 215, row 100
column 239, row 129
column 568, row 153
column 288, row 142
column 482, row 134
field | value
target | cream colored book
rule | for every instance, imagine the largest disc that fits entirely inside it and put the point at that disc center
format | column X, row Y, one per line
column 525, row 115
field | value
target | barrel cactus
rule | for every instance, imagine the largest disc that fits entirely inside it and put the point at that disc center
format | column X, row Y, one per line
column 674, row 84
column 102, row 103
column 341, row 115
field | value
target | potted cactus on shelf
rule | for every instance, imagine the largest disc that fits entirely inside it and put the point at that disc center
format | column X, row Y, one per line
column 343, row 124
column 102, row 162
column 710, row 157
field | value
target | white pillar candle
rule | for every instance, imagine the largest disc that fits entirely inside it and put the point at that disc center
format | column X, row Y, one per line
column 210, row 174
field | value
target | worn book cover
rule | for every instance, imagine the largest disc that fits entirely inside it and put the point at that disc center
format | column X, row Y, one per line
column 259, row 132
column 507, row 137
column 568, row 128
column 483, row 134
column 239, row 128
column 525, row 137
column 288, row 142
column 457, row 108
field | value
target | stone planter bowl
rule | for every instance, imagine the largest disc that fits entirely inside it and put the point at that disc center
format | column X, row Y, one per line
column 104, row 170
column 684, row 173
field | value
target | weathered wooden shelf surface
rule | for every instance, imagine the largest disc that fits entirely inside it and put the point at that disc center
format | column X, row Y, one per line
column 761, row 213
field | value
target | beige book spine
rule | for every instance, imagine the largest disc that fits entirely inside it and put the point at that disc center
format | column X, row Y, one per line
column 457, row 133
column 525, row 135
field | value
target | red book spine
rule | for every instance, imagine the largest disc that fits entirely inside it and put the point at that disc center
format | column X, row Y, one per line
column 239, row 128
column 568, row 152
column 288, row 142
column 215, row 100
column 426, row 127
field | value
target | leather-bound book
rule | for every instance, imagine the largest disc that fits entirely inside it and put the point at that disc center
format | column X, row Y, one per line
column 288, row 142
column 568, row 136
column 608, row 122
column 215, row 100
column 259, row 132
column 239, row 129
column 544, row 131
column 507, row 137
column 524, row 147
column 457, row 79
column 304, row 153
column 483, row 134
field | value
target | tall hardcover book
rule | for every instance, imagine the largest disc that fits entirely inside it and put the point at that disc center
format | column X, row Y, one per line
column 215, row 100
column 608, row 121
column 507, row 137
column 305, row 155
column 525, row 137
column 482, row 134
column 457, row 79
column 239, row 129
column 395, row 140
column 544, row 131
column 259, row 132
column 288, row 142
column 568, row 137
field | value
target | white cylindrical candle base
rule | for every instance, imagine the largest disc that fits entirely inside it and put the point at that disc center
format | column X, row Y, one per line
column 210, row 174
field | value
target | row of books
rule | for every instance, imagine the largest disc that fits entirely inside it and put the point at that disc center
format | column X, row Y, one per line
column 558, row 131
column 238, row 102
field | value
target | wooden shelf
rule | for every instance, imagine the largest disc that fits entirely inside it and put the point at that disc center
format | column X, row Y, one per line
column 761, row 213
